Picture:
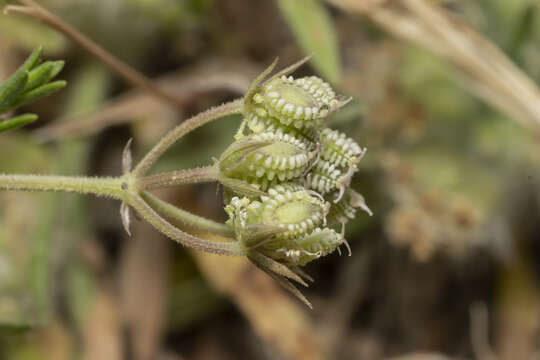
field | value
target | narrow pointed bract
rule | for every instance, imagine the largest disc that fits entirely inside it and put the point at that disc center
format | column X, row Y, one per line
column 127, row 158
column 125, row 215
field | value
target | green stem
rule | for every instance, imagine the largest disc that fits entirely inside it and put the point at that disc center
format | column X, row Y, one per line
column 106, row 187
column 122, row 189
column 186, row 217
column 230, row 108
column 181, row 177
column 150, row 215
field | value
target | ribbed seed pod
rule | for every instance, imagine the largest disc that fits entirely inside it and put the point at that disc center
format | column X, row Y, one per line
column 265, row 158
column 293, row 208
column 325, row 177
column 290, row 208
column 346, row 208
column 301, row 103
column 260, row 124
column 339, row 149
column 322, row 91
column 318, row 243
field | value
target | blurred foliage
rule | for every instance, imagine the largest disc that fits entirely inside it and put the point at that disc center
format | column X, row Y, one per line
column 313, row 28
column 28, row 35
column 26, row 240
column 29, row 83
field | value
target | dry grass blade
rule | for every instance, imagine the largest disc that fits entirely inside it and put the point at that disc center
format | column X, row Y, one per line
column 138, row 105
column 486, row 70
column 275, row 316
column 479, row 328
column 102, row 333
column 130, row 75
column 144, row 265
column 126, row 108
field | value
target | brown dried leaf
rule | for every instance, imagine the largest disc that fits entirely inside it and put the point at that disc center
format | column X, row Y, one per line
column 274, row 315
column 143, row 289
column 102, row 335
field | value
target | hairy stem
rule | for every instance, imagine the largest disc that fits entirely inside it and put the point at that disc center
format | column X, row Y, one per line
column 181, row 177
column 119, row 188
column 230, row 108
column 186, row 217
column 107, row 187
column 129, row 74
column 150, row 215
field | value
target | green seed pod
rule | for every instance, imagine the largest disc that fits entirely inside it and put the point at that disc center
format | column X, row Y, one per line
column 301, row 103
column 293, row 208
column 290, row 208
column 323, row 92
column 296, row 212
column 346, row 208
column 326, row 177
column 265, row 158
column 339, row 149
column 319, row 243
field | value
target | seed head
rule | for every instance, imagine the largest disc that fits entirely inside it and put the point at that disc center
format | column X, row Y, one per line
column 299, row 103
column 287, row 176
column 265, row 159
column 285, row 225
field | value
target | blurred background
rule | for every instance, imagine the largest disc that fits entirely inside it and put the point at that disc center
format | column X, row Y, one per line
column 446, row 103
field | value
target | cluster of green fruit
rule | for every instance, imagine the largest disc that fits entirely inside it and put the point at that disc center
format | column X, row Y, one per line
column 287, row 175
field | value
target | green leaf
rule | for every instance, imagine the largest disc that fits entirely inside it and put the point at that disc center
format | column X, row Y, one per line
column 26, row 245
column 43, row 74
column 312, row 26
column 12, row 88
column 32, row 60
column 17, row 122
column 40, row 92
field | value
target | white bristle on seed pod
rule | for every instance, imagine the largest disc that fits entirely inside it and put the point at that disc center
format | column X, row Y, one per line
column 324, row 177
column 338, row 149
column 259, row 124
